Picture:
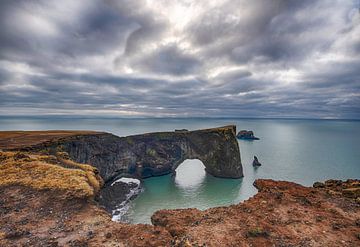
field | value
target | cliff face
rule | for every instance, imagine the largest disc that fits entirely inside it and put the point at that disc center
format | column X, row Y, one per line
column 154, row 154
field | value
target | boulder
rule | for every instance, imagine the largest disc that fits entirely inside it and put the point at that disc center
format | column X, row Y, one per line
column 319, row 185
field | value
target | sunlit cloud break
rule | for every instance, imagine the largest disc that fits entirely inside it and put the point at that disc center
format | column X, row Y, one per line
column 181, row 58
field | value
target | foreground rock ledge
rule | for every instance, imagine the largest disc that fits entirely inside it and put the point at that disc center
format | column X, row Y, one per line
column 281, row 214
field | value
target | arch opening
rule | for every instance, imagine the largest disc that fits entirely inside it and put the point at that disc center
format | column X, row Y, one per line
column 190, row 174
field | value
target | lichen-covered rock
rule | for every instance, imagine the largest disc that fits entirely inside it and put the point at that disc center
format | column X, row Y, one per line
column 319, row 185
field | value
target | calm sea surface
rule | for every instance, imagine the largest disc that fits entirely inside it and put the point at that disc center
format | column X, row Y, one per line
column 302, row 151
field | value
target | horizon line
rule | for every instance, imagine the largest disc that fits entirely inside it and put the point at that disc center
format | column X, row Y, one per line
column 172, row 117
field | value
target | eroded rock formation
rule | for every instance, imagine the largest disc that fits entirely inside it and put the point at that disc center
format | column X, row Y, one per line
column 151, row 154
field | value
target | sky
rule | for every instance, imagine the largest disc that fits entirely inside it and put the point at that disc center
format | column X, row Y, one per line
column 180, row 58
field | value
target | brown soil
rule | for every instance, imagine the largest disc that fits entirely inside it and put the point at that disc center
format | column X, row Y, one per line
column 44, row 218
column 48, row 200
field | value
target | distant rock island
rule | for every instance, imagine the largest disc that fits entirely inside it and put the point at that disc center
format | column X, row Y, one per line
column 256, row 162
column 246, row 135
column 49, row 197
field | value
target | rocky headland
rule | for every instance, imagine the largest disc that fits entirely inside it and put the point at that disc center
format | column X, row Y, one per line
column 51, row 197
column 138, row 156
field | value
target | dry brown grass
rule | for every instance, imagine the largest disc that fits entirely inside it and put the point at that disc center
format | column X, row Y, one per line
column 32, row 170
column 20, row 139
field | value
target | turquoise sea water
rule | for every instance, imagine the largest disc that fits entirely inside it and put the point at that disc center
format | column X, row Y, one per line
column 302, row 151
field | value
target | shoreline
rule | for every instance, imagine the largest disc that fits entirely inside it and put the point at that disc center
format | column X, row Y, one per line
column 49, row 199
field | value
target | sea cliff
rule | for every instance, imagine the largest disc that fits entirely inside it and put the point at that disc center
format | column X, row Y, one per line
column 140, row 156
column 49, row 198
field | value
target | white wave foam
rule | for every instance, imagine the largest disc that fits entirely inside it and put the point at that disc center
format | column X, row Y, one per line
column 127, row 181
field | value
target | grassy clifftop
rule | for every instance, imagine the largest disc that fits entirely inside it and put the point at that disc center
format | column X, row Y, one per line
column 48, row 172
column 20, row 139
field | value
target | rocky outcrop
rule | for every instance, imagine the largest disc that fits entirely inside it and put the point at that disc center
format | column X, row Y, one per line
column 151, row 154
column 281, row 214
column 116, row 196
column 246, row 135
column 256, row 162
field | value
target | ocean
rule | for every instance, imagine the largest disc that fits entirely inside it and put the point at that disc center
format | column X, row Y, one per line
column 301, row 151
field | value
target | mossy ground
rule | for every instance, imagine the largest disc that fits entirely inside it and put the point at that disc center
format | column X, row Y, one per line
column 47, row 172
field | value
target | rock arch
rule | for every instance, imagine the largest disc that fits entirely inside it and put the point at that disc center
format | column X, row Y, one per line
column 156, row 154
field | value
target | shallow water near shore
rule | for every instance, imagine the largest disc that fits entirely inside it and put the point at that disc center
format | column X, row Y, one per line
column 190, row 188
column 302, row 151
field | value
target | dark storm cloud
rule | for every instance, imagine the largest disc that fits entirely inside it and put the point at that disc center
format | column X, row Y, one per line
column 272, row 58
column 271, row 32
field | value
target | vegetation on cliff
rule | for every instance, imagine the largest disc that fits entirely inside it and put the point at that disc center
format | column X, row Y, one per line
column 47, row 172
column 48, row 200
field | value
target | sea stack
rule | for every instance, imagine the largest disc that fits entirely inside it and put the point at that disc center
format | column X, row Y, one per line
column 246, row 135
column 256, row 162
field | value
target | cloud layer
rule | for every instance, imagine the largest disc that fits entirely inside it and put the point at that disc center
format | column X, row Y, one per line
column 239, row 58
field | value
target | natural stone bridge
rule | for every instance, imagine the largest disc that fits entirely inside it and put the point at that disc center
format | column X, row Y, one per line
column 152, row 154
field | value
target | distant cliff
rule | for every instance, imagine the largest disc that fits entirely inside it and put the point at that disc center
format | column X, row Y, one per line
column 151, row 154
